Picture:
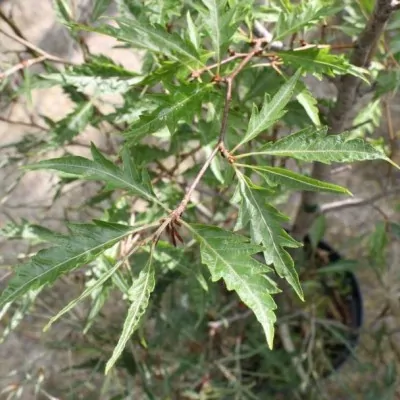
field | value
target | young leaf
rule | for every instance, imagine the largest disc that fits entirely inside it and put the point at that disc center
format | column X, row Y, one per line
column 270, row 111
column 139, row 295
column 265, row 227
column 228, row 257
column 312, row 144
column 82, row 245
column 183, row 104
column 192, row 31
column 73, row 124
column 102, row 169
column 293, row 180
column 319, row 61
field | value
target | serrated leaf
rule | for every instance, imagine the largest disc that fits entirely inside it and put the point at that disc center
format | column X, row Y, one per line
column 152, row 37
column 270, row 111
column 320, row 61
column 73, row 124
column 96, row 85
column 228, row 257
column 313, row 144
column 266, row 228
column 221, row 25
column 98, row 284
column 306, row 14
column 309, row 103
column 293, row 180
column 102, row 169
column 183, row 104
column 192, row 31
column 99, row 8
column 82, row 245
column 139, row 295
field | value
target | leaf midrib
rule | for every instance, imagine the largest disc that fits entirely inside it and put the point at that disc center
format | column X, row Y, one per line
column 92, row 249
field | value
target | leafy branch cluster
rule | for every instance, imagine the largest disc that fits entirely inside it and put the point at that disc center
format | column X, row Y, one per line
column 206, row 78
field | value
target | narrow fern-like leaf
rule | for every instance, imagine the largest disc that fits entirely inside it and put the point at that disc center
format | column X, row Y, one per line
column 271, row 111
column 266, row 228
column 293, row 180
column 139, row 295
column 182, row 105
column 228, row 257
column 102, row 169
column 82, row 245
column 312, row 144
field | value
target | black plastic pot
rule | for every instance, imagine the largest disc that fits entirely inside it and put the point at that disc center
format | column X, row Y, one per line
column 337, row 351
column 354, row 303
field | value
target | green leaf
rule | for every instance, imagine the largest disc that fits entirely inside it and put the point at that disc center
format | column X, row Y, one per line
column 228, row 257
column 293, row 180
column 150, row 37
column 99, row 8
column 102, row 169
column 309, row 103
column 82, row 245
column 265, row 227
column 192, row 31
column 96, row 85
column 270, row 111
column 139, row 295
column 63, row 11
column 73, row 124
column 220, row 23
column 182, row 105
column 313, row 144
column 319, row 61
column 306, row 14
column 87, row 292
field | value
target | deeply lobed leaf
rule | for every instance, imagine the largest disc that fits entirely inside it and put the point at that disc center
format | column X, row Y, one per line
column 82, row 245
column 271, row 111
column 266, row 228
column 312, row 144
column 102, row 169
column 228, row 257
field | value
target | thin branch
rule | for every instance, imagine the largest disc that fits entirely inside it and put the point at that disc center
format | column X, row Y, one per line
column 356, row 202
column 37, row 51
